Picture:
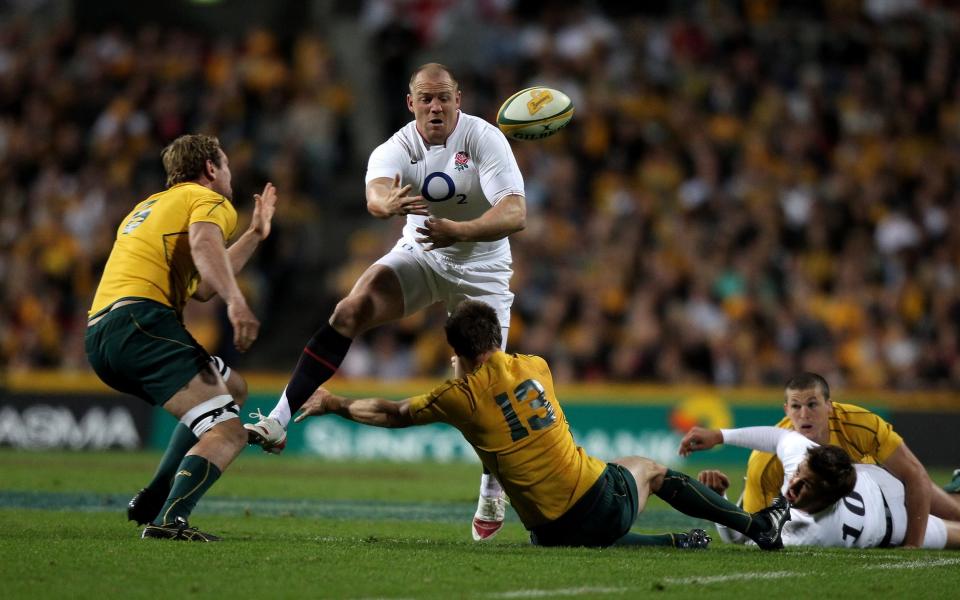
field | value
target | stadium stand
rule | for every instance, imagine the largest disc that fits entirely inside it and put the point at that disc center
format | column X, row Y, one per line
column 747, row 190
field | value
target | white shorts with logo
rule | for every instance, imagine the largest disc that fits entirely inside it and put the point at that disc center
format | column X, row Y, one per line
column 427, row 278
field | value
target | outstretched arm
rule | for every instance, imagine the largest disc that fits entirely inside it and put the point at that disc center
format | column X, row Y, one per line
column 765, row 439
column 906, row 467
column 369, row 411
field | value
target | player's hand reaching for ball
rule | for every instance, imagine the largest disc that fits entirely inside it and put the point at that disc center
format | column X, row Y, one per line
column 700, row 438
column 399, row 201
column 265, row 205
column 320, row 403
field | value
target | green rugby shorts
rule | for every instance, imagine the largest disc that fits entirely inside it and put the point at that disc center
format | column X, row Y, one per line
column 143, row 349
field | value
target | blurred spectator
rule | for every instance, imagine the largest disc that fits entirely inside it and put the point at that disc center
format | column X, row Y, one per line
column 747, row 189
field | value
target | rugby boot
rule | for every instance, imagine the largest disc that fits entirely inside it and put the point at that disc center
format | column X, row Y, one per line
column 267, row 433
column 954, row 486
column 488, row 519
column 145, row 506
column 778, row 513
column 178, row 530
column 695, row 539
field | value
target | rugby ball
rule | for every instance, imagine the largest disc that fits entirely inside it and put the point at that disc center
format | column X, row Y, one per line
column 535, row 113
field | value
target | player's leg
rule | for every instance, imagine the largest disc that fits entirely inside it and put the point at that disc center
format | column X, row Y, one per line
column 142, row 348
column 693, row 498
column 944, row 504
column 644, row 472
column 953, row 534
column 395, row 286
column 489, row 283
column 205, row 406
column 144, row 507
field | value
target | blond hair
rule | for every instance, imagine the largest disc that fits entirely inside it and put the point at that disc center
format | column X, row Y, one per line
column 185, row 158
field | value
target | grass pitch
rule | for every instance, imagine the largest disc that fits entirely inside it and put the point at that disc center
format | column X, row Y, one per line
column 303, row 528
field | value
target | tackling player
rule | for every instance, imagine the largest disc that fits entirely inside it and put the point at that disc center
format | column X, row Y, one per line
column 865, row 436
column 834, row 503
column 169, row 248
column 454, row 178
column 506, row 408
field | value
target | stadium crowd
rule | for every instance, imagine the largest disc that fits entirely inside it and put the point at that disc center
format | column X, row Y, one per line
column 747, row 189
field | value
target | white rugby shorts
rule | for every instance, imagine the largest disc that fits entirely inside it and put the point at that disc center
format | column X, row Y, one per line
column 893, row 493
column 427, row 278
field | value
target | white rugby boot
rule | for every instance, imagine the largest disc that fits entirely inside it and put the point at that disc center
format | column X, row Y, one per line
column 267, row 433
column 488, row 519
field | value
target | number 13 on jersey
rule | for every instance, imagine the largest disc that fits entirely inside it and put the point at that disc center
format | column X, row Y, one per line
column 529, row 398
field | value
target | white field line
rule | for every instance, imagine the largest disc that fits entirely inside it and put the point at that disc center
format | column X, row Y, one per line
column 578, row 591
column 705, row 579
column 916, row 564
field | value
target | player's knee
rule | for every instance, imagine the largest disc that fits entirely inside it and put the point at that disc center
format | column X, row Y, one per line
column 215, row 412
column 352, row 314
column 237, row 386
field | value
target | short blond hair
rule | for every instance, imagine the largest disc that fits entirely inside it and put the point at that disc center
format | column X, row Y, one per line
column 185, row 158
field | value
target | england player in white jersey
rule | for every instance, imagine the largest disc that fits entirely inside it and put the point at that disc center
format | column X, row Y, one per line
column 834, row 503
column 455, row 180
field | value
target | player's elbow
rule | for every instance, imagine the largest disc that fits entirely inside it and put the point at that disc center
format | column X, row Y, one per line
column 518, row 216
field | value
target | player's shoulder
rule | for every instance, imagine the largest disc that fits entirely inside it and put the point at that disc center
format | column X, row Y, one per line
column 404, row 142
column 852, row 414
column 479, row 134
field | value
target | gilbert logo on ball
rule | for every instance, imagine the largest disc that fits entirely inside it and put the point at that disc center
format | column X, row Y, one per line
column 535, row 113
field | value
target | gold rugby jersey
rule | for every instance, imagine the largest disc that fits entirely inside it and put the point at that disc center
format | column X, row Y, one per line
column 151, row 255
column 866, row 437
column 509, row 413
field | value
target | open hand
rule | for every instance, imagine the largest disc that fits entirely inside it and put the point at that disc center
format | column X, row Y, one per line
column 319, row 403
column 265, row 205
column 400, row 203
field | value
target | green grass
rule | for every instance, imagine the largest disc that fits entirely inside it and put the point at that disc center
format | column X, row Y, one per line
column 302, row 528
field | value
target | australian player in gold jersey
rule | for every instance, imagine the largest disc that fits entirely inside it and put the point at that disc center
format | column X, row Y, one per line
column 506, row 408
column 865, row 436
column 172, row 247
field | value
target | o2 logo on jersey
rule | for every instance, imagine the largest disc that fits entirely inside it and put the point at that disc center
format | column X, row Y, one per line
column 439, row 187
column 137, row 218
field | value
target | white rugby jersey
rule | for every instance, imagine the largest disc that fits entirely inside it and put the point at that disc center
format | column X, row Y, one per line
column 856, row 521
column 459, row 180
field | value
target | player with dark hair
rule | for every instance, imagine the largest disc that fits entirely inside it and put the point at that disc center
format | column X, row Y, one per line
column 834, row 502
column 170, row 248
column 506, row 408
column 865, row 436
column 454, row 178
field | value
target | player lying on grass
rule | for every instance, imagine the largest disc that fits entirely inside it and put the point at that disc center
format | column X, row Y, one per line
column 505, row 407
column 833, row 501
column 865, row 436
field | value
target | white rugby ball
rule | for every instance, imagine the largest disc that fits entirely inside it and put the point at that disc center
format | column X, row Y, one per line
column 535, row 113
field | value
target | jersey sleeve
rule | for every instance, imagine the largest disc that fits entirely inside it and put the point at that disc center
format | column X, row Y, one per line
column 211, row 207
column 762, row 482
column 386, row 160
column 497, row 167
column 447, row 403
column 792, row 450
